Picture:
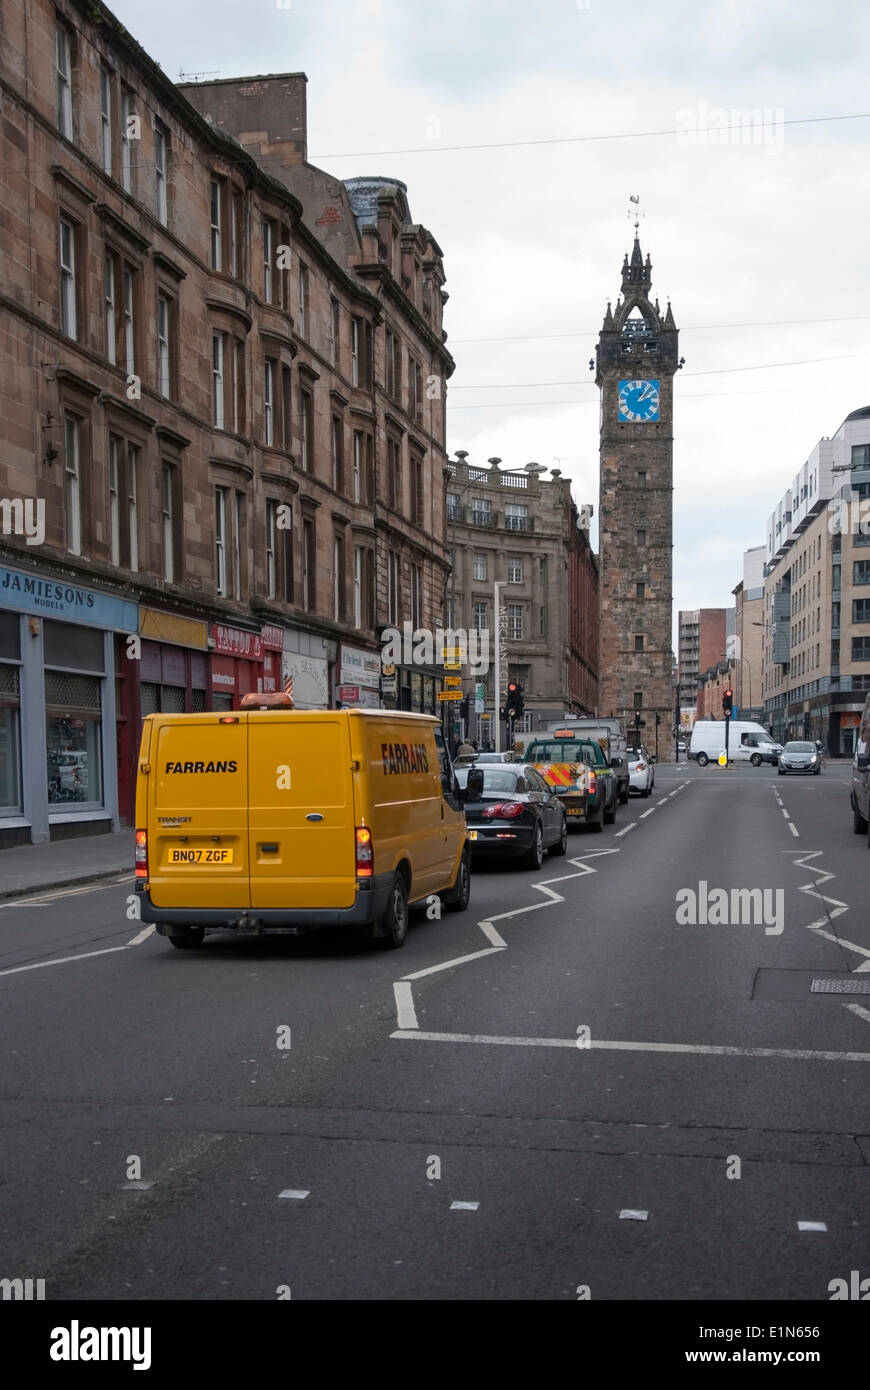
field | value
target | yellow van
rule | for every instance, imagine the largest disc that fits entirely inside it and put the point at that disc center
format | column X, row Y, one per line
column 296, row 819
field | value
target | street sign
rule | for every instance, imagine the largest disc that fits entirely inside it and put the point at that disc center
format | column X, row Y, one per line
column 452, row 682
column 348, row 693
column 453, row 666
column 449, row 694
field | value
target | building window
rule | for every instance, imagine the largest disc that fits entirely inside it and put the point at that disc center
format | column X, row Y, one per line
column 640, row 538
column 286, row 553
column 514, row 569
column 392, row 357
column 106, row 119
column 220, row 541
column 133, row 506
column 394, row 473
column 480, row 566
column 861, row 648
column 111, row 309
column 306, row 426
column 417, row 516
column 64, row 82
column 239, row 546
column 161, row 154
column 127, row 126
column 129, row 320
column 168, row 519
column 215, row 205
column 309, row 566
column 236, row 236
column 163, row 354
column 515, row 622
column 480, row 620
column 416, row 594
column 638, row 642
column 268, row 402
column 641, row 477
column 286, row 407
column 452, row 506
column 355, row 332
column 302, row 324
column 516, row 516
column 268, row 239
column 238, row 386
column 393, row 587
column 640, row 589
column 114, row 502
column 271, row 565
column 337, row 454
column 861, row 573
column 68, row 310
column 217, row 379
column 481, row 511
column 338, row 579
column 451, row 613
column 357, row 586
column 638, row 699
column 418, row 393
column 334, row 330
column 357, row 465
column 860, row 611
column 72, row 485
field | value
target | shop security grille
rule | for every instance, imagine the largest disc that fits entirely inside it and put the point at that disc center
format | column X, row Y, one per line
column 149, row 698
column 197, row 701
column 9, row 681
column 65, row 691
column 840, row 987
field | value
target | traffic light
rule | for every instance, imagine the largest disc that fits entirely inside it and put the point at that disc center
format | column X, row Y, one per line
column 515, row 702
column 727, row 701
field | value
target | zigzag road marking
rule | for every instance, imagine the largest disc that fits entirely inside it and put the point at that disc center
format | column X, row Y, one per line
column 402, row 988
column 838, row 908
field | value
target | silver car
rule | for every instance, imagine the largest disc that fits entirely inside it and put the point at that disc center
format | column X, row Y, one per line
column 800, row 757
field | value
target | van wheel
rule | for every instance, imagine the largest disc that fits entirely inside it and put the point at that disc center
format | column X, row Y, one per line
column 859, row 824
column 598, row 824
column 184, row 938
column 756, row 760
column 703, row 760
column 610, row 816
column 456, row 898
column 394, row 923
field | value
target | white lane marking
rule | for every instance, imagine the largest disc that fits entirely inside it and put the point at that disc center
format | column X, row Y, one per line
column 644, row 815
column 62, row 960
column 793, row 830
column 630, row 1214
column 54, row 895
column 457, row 960
column 491, row 934
column 784, row 812
column 137, row 1186
column 620, row 833
column 699, row 1049
column 812, row 1226
column 849, row 945
column 464, row 1206
column 405, row 1011
column 297, row 1194
column 859, row 1009
column 142, row 936
column 865, row 965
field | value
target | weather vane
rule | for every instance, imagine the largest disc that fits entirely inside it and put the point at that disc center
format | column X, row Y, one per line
column 635, row 211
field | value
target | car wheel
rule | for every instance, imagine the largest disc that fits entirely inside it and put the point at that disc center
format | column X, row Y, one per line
column 756, row 760
column 394, row 923
column 703, row 760
column 456, row 898
column 561, row 845
column 535, row 856
column 187, row 938
column 623, row 794
column 647, row 791
column 859, row 823
column 817, row 772
column 779, row 772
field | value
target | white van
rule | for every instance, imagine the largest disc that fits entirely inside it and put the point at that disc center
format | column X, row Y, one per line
column 747, row 743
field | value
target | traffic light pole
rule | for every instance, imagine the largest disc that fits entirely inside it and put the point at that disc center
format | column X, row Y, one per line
column 727, row 730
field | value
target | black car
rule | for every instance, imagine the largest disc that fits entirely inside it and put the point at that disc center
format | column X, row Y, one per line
column 800, row 757
column 512, row 813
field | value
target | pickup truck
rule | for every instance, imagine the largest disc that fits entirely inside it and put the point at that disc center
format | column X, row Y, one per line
column 578, row 771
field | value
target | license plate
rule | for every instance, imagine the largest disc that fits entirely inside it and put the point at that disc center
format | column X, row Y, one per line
column 472, row 834
column 575, row 812
column 200, row 856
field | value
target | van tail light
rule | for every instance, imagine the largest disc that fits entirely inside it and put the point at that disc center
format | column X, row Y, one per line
column 141, row 858
column 364, row 852
column 592, row 781
column 504, row 810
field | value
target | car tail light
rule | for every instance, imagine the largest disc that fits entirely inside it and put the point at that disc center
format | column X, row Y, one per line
column 504, row 810
column 641, row 767
column 592, row 781
column 141, row 858
column 364, row 852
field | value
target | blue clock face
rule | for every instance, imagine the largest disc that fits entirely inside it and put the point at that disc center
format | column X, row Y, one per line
column 638, row 400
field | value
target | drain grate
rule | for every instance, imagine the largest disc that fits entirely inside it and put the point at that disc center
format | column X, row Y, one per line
column 840, row 987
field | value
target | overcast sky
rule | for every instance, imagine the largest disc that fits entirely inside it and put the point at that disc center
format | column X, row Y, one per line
column 746, row 231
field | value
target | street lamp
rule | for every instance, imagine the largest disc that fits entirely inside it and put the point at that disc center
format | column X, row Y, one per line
column 462, row 455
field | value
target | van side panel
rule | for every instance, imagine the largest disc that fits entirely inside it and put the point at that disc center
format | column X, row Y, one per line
column 404, row 803
column 302, row 816
column 197, row 812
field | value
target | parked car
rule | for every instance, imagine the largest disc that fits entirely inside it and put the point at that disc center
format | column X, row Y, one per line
column 860, row 793
column 800, row 757
column 467, row 759
column 641, row 773
column 511, row 813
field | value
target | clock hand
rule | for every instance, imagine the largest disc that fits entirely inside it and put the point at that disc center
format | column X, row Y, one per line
column 647, row 391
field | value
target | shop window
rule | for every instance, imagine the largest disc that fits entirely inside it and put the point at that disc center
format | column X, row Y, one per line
column 10, row 737
column 72, row 723
column 80, row 649
column 167, row 699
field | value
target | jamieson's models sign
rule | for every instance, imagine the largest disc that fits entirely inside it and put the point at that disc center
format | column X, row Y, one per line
column 54, row 598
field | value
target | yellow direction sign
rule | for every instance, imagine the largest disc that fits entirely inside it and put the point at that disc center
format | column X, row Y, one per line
column 453, row 666
column 451, row 682
column 449, row 694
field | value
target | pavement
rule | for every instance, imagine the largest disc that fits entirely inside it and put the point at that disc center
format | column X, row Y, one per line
column 63, row 863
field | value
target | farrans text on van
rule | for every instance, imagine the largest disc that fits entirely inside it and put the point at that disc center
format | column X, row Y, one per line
column 275, row 818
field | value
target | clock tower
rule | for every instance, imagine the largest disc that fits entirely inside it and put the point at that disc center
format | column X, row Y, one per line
column 636, row 358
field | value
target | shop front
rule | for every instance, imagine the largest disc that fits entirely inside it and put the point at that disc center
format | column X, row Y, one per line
column 237, row 664
column 306, row 659
column 58, row 736
column 359, row 678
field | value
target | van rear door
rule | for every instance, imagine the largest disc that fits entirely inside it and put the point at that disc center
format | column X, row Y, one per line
column 197, row 812
column 302, row 844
